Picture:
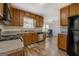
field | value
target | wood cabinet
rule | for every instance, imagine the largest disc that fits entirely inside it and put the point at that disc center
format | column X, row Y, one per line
column 64, row 14
column 37, row 18
column 17, row 17
column 12, row 16
column 62, row 41
column 21, row 17
column 29, row 38
column 74, row 9
column 1, row 10
column 39, row 21
column 34, row 37
column 15, row 13
column 44, row 36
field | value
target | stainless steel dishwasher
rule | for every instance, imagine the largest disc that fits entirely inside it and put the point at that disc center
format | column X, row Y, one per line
column 40, row 36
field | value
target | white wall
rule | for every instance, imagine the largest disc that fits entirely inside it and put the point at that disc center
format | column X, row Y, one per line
column 53, row 19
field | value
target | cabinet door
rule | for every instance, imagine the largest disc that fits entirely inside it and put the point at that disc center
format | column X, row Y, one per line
column 41, row 22
column 27, row 38
column 32, row 16
column 37, row 21
column 1, row 10
column 16, row 17
column 64, row 13
column 74, row 9
column 30, row 40
column 35, row 37
column 12, row 15
column 21, row 17
column 62, row 41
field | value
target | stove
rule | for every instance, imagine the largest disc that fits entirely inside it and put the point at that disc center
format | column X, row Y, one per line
column 9, row 36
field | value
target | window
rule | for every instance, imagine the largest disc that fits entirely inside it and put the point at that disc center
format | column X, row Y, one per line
column 45, row 27
column 28, row 23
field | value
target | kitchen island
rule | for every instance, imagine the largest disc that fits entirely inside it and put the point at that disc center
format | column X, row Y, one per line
column 10, row 46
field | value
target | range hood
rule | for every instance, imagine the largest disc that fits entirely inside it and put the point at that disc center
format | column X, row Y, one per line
column 1, row 16
column 6, row 14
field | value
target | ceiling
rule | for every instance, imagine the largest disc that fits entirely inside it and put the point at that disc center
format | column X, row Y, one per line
column 39, row 8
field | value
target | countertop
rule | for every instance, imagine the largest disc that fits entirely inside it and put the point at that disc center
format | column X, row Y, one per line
column 10, row 45
column 17, row 32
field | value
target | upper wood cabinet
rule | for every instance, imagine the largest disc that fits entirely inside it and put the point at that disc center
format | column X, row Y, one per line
column 21, row 18
column 17, row 17
column 74, row 9
column 64, row 13
column 39, row 21
column 12, row 15
column 37, row 18
column 1, row 10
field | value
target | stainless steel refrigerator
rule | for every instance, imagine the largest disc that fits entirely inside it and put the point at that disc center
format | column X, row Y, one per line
column 73, row 36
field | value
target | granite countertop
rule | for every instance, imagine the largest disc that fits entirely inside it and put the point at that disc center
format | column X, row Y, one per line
column 10, row 32
column 63, row 33
column 10, row 45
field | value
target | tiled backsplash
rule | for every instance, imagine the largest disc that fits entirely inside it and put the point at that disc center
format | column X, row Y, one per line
column 2, row 27
column 64, row 29
column 10, row 28
column 18, row 28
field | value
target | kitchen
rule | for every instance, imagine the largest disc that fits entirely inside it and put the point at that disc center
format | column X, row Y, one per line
column 23, row 30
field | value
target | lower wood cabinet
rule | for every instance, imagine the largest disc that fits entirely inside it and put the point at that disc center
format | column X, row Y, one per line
column 29, row 38
column 62, row 41
column 35, row 37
